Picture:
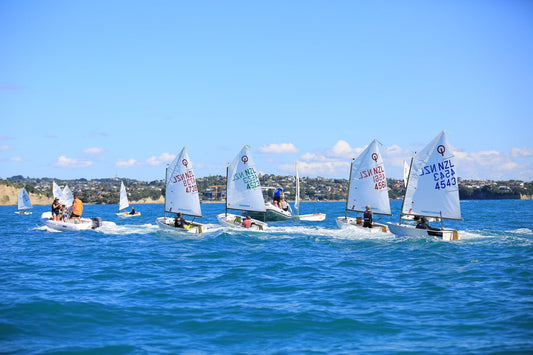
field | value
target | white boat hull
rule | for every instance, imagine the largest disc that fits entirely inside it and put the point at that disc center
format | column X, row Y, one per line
column 349, row 222
column 126, row 214
column 272, row 214
column 412, row 231
column 234, row 221
column 23, row 212
column 167, row 224
column 68, row 225
column 313, row 217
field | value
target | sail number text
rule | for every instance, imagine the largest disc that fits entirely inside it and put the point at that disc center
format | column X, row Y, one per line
column 378, row 177
column 249, row 178
column 443, row 174
column 188, row 181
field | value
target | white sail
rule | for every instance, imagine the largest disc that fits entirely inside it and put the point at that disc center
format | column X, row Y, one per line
column 67, row 197
column 123, row 202
column 56, row 190
column 405, row 172
column 23, row 200
column 243, row 186
column 181, row 189
column 368, row 182
column 432, row 187
column 297, row 197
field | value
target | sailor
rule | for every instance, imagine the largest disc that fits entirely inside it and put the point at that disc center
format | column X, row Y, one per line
column 368, row 216
column 422, row 224
column 277, row 194
column 56, row 207
column 179, row 221
column 77, row 208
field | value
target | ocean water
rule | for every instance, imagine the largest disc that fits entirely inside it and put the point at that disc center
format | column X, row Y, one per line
column 300, row 288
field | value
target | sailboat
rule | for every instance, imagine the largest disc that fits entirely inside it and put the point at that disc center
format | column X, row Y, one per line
column 124, row 203
column 23, row 202
column 367, row 187
column 243, row 192
column 432, row 190
column 317, row 217
column 181, row 195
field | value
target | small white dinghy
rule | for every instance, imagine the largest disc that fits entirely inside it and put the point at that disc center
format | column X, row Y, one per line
column 432, row 191
column 124, row 203
column 181, row 196
column 23, row 202
column 312, row 217
column 367, row 186
column 243, row 192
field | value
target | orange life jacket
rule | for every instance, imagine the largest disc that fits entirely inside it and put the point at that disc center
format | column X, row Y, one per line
column 77, row 207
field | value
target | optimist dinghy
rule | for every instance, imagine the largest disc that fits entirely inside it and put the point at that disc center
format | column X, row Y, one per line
column 243, row 192
column 367, row 186
column 432, row 191
column 181, row 196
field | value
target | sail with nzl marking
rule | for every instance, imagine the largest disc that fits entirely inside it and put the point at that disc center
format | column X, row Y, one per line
column 181, row 189
column 368, row 182
column 243, row 186
column 432, row 187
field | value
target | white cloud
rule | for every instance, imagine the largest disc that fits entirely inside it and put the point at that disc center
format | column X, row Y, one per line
column 64, row 162
column 126, row 163
column 93, row 150
column 152, row 161
column 521, row 152
column 160, row 160
column 278, row 148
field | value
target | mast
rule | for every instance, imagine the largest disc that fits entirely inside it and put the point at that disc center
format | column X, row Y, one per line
column 406, row 188
column 226, row 203
column 349, row 186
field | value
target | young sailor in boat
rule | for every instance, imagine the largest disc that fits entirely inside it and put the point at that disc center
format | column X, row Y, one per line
column 180, row 222
column 368, row 217
column 247, row 223
column 422, row 224
column 284, row 205
column 77, row 208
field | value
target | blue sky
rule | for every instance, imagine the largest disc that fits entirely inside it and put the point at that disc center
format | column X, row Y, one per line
column 95, row 89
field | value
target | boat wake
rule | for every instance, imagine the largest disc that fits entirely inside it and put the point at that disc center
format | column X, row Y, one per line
column 115, row 229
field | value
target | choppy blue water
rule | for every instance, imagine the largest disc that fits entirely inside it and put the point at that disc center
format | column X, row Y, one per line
column 301, row 288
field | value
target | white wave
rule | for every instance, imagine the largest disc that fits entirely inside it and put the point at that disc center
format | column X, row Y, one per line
column 46, row 228
column 122, row 229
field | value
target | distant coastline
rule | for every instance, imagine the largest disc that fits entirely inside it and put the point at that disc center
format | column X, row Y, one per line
column 8, row 197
